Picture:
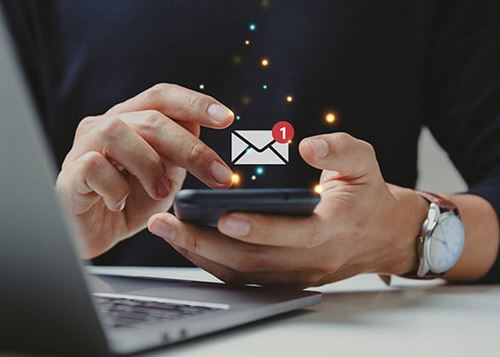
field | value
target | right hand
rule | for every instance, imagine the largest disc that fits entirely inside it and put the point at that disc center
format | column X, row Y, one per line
column 127, row 164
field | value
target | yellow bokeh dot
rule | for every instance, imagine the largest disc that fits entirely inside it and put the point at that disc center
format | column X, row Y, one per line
column 254, row 177
column 235, row 179
column 264, row 62
column 289, row 98
column 247, row 42
column 318, row 189
column 330, row 118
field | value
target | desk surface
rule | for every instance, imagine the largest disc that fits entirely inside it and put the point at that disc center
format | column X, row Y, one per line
column 359, row 317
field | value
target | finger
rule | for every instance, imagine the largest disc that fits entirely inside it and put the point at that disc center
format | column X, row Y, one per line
column 174, row 142
column 274, row 230
column 210, row 244
column 339, row 152
column 90, row 178
column 289, row 279
column 121, row 144
column 180, row 104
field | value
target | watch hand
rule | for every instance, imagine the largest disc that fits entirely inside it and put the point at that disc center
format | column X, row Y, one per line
column 445, row 243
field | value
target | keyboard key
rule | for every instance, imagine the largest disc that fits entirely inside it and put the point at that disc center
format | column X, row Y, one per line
column 127, row 313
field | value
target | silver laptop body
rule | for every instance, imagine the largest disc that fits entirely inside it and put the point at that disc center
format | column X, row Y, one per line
column 48, row 303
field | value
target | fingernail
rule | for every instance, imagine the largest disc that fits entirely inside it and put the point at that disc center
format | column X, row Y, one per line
column 220, row 173
column 320, row 147
column 163, row 188
column 236, row 226
column 219, row 113
column 121, row 205
column 162, row 229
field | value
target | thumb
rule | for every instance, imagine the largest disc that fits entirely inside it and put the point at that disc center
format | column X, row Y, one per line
column 339, row 152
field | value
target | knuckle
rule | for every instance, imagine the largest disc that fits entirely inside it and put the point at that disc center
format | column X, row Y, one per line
column 113, row 128
column 368, row 148
column 156, row 91
column 199, row 153
column 85, row 124
column 92, row 161
column 152, row 121
column 160, row 87
column 342, row 140
column 154, row 164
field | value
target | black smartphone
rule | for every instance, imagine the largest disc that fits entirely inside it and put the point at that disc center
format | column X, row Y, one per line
column 204, row 206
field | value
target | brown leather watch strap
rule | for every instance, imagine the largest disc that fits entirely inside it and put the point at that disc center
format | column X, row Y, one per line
column 443, row 203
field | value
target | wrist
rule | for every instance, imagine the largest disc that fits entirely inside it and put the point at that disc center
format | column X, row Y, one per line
column 410, row 211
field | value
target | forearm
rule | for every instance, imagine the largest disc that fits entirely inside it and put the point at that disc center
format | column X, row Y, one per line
column 481, row 235
column 481, row 238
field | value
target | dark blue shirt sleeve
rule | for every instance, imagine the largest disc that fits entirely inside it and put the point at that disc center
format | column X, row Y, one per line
column 463, row 96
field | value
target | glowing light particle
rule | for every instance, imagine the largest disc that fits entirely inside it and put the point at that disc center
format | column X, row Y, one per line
column 238, row 117
column 237, row 59
column 318, row 189
column 289, row 98
column 330, row 118
column 254, row 177
column 252, row 27
column 247, row 42
column 259, row 170
column 265, row 62
column 201, row 86
column 265, row 86
column 235, row 179
column 245, row 100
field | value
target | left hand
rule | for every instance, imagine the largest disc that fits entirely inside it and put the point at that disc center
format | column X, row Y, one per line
column 362, row 224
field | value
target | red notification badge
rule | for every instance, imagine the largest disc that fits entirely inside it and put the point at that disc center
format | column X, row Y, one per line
column 283, row 132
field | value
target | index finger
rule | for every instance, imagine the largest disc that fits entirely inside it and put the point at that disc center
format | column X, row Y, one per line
column 180, row 104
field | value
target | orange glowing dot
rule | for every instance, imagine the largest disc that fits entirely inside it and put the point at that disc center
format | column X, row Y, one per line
column 264, row 62
column 289, row 141
column 237, row 59
column 289, row 98
column 247, row 42
column 330, row 118
column 235, row 179
column 318, row 189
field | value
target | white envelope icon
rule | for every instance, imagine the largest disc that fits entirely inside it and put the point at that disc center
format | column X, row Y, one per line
column 257, row 147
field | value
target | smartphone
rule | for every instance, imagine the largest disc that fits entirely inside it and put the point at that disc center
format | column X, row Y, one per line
column 205, row 206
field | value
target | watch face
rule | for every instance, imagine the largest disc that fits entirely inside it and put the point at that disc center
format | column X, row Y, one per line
column 445, row 244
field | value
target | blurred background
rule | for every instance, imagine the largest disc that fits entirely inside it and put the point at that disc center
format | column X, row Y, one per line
column 436, row 172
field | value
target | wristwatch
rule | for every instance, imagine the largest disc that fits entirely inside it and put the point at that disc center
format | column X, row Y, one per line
column 440, row 242
column 441, row 239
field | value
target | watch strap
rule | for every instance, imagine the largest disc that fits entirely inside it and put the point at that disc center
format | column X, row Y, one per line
column 443, row 203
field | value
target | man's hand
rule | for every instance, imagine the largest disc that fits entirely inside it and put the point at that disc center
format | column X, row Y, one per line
column 362, row 224
column 128, row 164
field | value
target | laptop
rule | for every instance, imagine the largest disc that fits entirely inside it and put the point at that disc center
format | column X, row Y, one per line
column 49, row 302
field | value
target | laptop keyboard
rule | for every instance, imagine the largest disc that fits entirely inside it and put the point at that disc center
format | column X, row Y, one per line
column 128, row 312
